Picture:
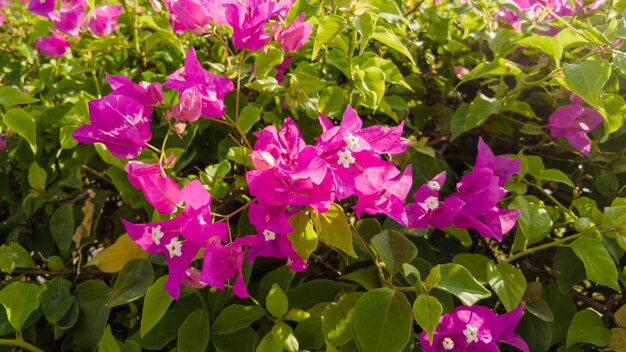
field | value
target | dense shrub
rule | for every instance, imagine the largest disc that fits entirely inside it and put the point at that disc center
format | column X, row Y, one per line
column 260, row 175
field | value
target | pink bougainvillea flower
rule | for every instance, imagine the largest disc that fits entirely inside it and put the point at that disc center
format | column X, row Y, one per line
column 160, row 191
column 475, row 329
column 118, row 122
column 105, row 19
column 493, row 224
column 182, row 237
column 146, row 93
column 3, row 3
column 282, row 67
column 69, row 18
column 189, row 106
column 212, row 87
column 190, row 15
column 295, row 35
column 53, row 45
column 503, row 166
column 248, row 18
column 41, row 7
column 272, row 225
column 391, row 189
column 221, row 262
column 1, row 19
column 428, row 209
column 574, row 122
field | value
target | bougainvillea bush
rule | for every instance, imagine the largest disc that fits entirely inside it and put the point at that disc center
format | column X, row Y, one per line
column 261, row 175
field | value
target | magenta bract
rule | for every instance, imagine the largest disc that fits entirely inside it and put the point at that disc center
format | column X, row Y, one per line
column 105, row 19
column 53, row 45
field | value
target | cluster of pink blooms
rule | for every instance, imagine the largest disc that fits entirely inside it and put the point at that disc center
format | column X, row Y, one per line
column 533, row 9
column 68, row 19
column 247, row 18
column 475, row 204
column 475, row 329
column 573, row 122
column 345, row 161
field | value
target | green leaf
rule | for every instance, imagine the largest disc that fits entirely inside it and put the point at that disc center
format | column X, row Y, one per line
column 479, row 110
column 193, row 335
column 269, row 344
column 12, row 96
column 92, row 321
column 392, row 41
column 303, row 238
column 56, row 300
column 533, row 222
column 265, row 62
column 62, row 227
column 382, row 321
column 587, row 327
column 242, row 340
column 599, row 266
column 458, row 281
column 370, row 82
column 22, row 123
column 309, row 331
column 132, row 282
column 427, row 311
column 337, row 319
column 37, row 176
column 497, row 67
column 234, row 318
column 108, row 343
column 394, row 249
column 164, row 331
column 248, row 116
column 587, row 79
column 326, row 32
column 568, row 269
column 508, row 282
column 19, row 300
column 154, row 305
column 476, row 264
column 457, row 121
column 333, row 228
column 555, row 175
column 549, row 45
column 14, row 256
column 284, row 335
column 306, row 295
column 276, row 302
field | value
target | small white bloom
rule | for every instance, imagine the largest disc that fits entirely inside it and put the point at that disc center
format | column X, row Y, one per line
column 345, row 158
column 269, row 235
column 471, row 333
column 157, row 235
column 432, row 203
column 434, row 185
column 447, row 343
column 174, row 247
column 351, row 140
column 268, row 159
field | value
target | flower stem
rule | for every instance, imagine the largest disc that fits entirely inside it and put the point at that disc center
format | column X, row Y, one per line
column 20, row 343
column 557, row 242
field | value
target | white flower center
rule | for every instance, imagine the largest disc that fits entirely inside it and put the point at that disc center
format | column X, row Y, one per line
column 471, row 333
column 174, row 247
column 269, row 235
column 432, row 203
column 268, row 158
column 157, row 235
column 434, row 185
column 345, row 158
column 351, row 140
column 447, row 343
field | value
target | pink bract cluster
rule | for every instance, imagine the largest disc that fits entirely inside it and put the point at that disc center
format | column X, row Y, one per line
column 475, row 204
column 475, row 329
column 68, row 19
column 573, row 122
column 345, row 161
column 247, row 18
column 536, row 9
